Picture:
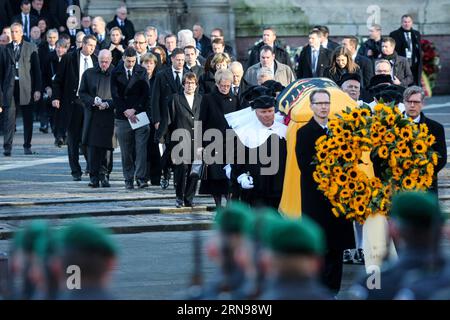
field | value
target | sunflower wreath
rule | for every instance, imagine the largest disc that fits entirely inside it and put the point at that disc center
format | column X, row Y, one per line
column 400, row 147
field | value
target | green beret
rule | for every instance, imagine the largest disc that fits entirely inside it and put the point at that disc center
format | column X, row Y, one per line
column 288, row 236
column 234, row 218
column 258, row 227
column 418, row 209
column 86, row 237
column 27, row 238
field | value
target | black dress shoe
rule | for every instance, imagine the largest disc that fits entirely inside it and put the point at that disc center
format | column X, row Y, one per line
column 141, row 183
column 59, row 142
column 129, row 184
column 28, row 151
column 179, row 203
column 188, row 203
column 105, row 183
column 43, row 129
column 7, row 153
column 164, row 183
column 76, row 178
column 347, row 257
column 94, row 184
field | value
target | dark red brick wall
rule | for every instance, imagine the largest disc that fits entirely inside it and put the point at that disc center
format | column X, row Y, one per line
column 442, row 44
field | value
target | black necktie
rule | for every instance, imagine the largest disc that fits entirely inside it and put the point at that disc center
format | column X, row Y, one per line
column 129, row 74
column 235, row 91
column 178, row 80
column 25, row 26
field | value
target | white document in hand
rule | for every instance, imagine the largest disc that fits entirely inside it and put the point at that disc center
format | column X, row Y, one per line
column 142, row 120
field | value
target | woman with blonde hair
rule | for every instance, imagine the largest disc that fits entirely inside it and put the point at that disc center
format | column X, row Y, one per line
column 218, row 62
column 341, row 63
column 213, row 108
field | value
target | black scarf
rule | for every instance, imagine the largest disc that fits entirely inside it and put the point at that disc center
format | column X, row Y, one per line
column 389, row 57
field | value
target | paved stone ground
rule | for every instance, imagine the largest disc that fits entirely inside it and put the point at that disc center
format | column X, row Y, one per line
column 154, row 237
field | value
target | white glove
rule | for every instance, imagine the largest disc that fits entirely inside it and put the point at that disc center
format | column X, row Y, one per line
column 227, row 169
column 97, row 101
column 245, row 181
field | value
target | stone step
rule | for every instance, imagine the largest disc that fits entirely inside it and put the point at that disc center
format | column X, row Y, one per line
column 125, row 224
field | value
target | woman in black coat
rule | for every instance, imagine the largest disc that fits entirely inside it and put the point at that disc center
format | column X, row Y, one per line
column 116, row 47
column 212, row 110
column 207, row 83
column 341, row 63
column 150, row 62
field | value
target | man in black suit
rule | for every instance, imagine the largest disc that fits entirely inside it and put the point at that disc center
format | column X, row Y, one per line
column 130, row 94
column 25, row 18
column 86, row 25
column 98, row 128
column 217, row 33
column 58, row 11
column 339, row 231
column 185, row 110
column 239, row 84
column 371, row 48
column 120, row 20
column 324, row 41
column 103, row 38
column 268, row 39
column 364, row 63
column 314, row 58
column 401, row 71
column 413, row 98
column 20, row 77
column 167, row 83
column 38, row 10
column 201, row 40
column 45, row 49
column 191, row 61
column 407, row 44
column 66, row 97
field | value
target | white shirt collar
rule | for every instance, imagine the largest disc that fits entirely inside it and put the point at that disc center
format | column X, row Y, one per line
column 354, row 56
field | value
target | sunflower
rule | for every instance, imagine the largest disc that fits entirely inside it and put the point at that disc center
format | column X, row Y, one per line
column 423, row 162
column 341, row 208
column 390, row 119
column 333, row 123
column 351, row 186
column 365, row 113
column 378, row 107
column 383, row 152
column 430, row 169
column 345, row 194
column 340, row 140
column 321, row 139
column 431, row 140
column 397, row 172
column 321, row 156
column 387, row 191
column 335, row 212
column 407, row 164
column 355, row 114
column 324, row 168
column 363, row 132
column 342, row 179
column 405, row 152
column 389, row 137
column 392, row 161
column 316, row 176
column 337, row 170
column 353, row 173
column 406, row 133
column 382, row 130
column 375, row 136
column 360, row 209
column 333, row 190
column 420, row 147
column 330, row 160
column 347, row 134
column 423, row 128
column 434, row 158
column 408, row 183
column 383, row 204
column 349, row 156
column 414, row 174
column 361, row 187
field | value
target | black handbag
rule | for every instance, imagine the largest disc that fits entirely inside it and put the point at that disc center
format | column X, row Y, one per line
column 198, row 169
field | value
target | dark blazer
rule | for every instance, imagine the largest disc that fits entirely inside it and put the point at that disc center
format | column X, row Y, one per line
column 127, row 29
column 183, row 117
column 373, row 46
column 205, row 42
column 401, row 45
column 5, row 13
column 198, row 70
column 338, row 231
column 58, row 11
column 304, row 62
column 50, row 71
column 336, row 76
column 45, row 56
column 331, row 45
column 206, row 83
column 440, row 146
column 98, row 125
column 32, row 21
column 65, row 84
column 105, row 44
column 129, row 94
column 402, row 70
column 163, row 90
column 280, row 55
column 29, row 73
column 367, row 69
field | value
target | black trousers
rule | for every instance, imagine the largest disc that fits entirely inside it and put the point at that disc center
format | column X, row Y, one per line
column 74, row 134
column 185, row 185
column 153, row 158
column 10, row 121
column 98, row 162
column 332, row 270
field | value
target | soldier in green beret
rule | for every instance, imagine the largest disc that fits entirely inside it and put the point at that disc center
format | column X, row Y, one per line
column 231, row 224
column 296, row 254
column 88, row 256
column 416, row 227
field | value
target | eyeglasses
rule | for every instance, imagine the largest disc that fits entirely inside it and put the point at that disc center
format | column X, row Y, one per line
column 140, row 42
column 325, row 103
column 413, row 102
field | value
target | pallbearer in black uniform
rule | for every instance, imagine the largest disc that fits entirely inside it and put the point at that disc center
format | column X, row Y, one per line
column 263, row 140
